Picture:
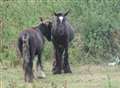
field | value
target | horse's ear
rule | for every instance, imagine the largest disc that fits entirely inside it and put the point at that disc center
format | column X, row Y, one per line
column 41, row 19
column 67, row 13
column 55, row 13
column 50, row 23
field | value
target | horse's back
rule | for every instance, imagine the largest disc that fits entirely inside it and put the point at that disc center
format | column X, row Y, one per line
column 36, row 40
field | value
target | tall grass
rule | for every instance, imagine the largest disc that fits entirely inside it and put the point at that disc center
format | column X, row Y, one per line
column 92, row 21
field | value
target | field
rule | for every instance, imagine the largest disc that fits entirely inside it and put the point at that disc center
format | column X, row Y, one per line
column 83, row 76
column 97, row 42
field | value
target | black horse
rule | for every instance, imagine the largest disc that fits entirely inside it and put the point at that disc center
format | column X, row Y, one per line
column 62, row 33
column 30, row 44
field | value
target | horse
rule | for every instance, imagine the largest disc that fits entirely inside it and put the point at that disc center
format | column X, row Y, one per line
column 31, row 44
column 62, row 34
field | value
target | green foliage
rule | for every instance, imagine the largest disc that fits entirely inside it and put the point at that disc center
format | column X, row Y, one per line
column 91, row 19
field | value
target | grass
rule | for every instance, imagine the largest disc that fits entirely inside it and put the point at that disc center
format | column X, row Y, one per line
column 88, row 18
column 83, row 76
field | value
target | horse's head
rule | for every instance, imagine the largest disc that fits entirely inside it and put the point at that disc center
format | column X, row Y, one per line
column 61, row 17
column 45, row 27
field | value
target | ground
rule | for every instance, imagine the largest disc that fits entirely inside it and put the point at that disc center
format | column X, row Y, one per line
column 83, row 76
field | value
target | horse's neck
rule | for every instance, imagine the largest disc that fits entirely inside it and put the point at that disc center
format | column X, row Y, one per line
column 38, row 29
column 39, row 34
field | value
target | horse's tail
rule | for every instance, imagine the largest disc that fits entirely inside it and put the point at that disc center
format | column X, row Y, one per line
column 25, row 47
column 25, row 40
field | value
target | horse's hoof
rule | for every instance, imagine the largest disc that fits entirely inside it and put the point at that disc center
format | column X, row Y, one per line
column 42, row 75
column 56, row 72
column 69, row 71
column 29, row 80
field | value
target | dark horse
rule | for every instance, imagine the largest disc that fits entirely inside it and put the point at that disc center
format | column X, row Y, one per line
column 30, row 44
column 62, row 33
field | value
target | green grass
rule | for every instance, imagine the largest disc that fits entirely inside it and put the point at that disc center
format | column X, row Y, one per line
column 83, row 76
column 89, row 18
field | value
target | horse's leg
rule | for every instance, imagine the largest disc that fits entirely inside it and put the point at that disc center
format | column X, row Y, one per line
column 39, row 68
column 27, row 66
column 57, row 65
column 66, row 66
column 56, row 69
